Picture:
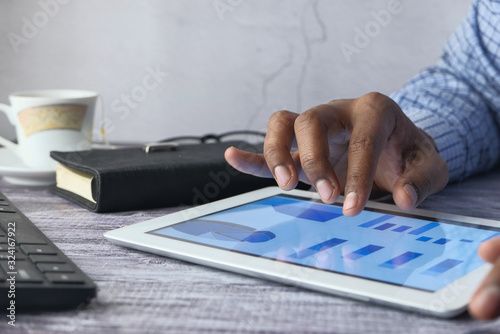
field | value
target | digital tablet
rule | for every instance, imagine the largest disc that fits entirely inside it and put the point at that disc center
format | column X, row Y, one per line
column 421, row 261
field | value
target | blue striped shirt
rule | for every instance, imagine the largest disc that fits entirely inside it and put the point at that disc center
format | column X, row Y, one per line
column 457, row 102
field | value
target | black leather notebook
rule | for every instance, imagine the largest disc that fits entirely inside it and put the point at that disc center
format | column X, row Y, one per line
column 131, row 179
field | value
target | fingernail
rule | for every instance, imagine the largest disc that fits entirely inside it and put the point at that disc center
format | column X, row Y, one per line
column 488, row 299
column 283, row 175
column 410, row 190
column 350, row 201
column 325, row 190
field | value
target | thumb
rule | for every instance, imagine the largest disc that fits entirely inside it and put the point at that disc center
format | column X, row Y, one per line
column 424, row 175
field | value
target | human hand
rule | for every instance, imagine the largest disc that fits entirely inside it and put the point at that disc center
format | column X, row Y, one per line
column 485, row 303
column 350, row 146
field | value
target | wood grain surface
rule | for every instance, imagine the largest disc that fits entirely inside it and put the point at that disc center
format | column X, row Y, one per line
column 144, row 293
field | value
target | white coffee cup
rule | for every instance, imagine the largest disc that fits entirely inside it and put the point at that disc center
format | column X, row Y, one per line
column 49, row 120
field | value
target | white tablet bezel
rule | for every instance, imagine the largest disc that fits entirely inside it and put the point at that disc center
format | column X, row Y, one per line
column 446, row 302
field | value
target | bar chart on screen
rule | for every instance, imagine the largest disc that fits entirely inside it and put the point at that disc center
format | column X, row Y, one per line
column 402, row 250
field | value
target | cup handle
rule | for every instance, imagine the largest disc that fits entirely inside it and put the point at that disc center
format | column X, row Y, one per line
column 5, row 142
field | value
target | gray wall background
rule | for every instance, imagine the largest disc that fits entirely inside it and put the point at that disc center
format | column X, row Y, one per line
column 177, row 67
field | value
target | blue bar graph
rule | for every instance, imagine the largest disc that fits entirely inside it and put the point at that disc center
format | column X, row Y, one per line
column 367, row 250
column 400, row 260
column 424, row 228
column 441, row 241
column 376, row 221
column 318, row 215
column 385, row 226
column 442, row 267
column 317, row 248
column 424, row 239
column 401, row 228
column 315, row 213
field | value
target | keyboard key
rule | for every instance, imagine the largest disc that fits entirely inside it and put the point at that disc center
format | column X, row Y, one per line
column 26, row 272
column 9, row 267
column 39, row 258
column 27, row 239
column 5, row 247
column 13, row 253
column 6, row 209
column 38, row 249
column 59, row 278
column 55, row 267
column 5, row 256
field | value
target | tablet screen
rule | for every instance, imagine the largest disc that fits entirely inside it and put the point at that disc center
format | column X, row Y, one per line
column 409, row 250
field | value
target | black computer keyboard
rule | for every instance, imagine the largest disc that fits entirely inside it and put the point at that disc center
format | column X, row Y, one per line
column 34, row 273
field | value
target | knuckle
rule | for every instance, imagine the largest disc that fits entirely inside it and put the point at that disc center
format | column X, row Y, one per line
column 374, row 99
column 280, row 121
column 281, row 115
column 362, row 143
column 307, row 119
column 271, row 151
column 333, row 102
column 354, row 178
column 309, row 162
column 379, row 106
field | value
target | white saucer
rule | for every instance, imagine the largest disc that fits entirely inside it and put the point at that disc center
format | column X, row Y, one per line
column 15, row 171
